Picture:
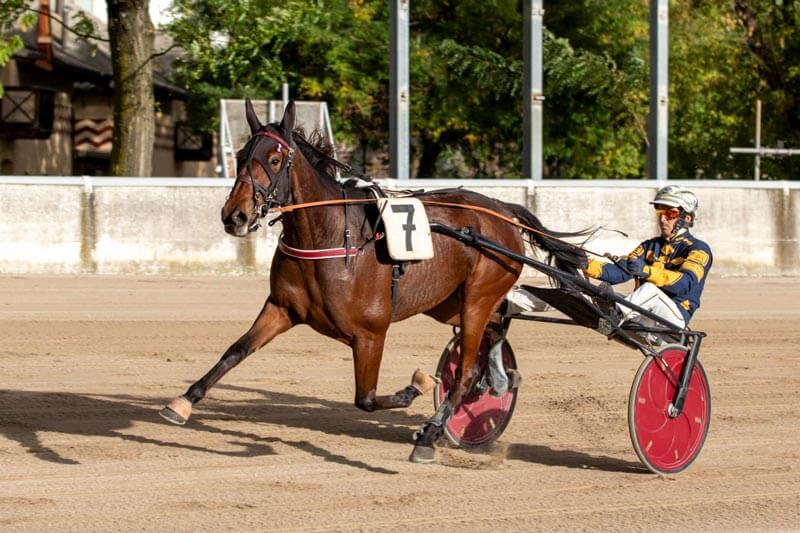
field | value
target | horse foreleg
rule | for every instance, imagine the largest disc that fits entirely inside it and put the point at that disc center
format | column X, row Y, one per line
column 272, row 321
column 367, row 354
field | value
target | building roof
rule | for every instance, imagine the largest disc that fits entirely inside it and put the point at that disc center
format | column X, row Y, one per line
column 86, row 62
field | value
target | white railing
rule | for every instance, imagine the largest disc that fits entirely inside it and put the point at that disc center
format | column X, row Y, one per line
column 51, row 224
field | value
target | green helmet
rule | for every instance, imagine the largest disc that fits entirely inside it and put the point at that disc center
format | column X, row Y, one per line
column 677, row 196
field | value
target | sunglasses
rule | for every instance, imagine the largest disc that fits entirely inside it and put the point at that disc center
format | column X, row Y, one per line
column 670, row 213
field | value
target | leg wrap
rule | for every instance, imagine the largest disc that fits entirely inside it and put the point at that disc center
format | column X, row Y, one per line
column 433, row 429
column 407, row 395
column 497, row 374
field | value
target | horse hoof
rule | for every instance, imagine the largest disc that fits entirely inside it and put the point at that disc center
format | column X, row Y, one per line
column 423, row 382
column 171, row 416
column 514, row 378
column 423, row 454
column 177, row 411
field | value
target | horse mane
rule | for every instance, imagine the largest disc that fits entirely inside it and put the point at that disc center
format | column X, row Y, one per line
column 319, row 152
column 317, row 149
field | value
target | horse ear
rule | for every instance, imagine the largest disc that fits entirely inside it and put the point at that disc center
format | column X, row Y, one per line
column 252, row 118
column 287, row 124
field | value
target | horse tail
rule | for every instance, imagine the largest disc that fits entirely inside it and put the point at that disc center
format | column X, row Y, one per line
column 566, row 256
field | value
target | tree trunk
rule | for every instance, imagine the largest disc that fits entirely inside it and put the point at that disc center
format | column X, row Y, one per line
column 132, row 35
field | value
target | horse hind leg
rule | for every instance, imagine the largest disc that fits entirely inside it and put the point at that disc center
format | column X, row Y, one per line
column 421, row 384
column 272, row 321
column 475, row 316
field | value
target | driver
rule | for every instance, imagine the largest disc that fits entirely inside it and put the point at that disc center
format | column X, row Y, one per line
column 672, row 267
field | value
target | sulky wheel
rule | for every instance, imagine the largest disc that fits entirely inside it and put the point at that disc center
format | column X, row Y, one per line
column 482, row 417
column 664, row 444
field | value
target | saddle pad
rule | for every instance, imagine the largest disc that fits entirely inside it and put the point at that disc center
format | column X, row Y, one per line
column 408, row 234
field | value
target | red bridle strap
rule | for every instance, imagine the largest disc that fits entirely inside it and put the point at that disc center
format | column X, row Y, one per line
column 272, row 135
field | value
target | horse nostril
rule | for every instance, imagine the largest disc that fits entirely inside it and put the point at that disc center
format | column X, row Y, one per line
column 238, row 217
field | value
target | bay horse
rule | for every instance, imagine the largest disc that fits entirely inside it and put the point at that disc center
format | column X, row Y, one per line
column 351, row 299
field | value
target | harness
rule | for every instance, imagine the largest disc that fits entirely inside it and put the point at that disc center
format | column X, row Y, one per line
column 278, row 197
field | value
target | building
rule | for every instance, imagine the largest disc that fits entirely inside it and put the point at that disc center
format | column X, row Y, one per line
column 56, row 114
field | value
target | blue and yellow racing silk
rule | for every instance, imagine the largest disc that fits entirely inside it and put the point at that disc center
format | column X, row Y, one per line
column 679, row 269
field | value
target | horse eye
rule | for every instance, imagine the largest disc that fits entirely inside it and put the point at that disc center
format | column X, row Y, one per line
column 274, row 161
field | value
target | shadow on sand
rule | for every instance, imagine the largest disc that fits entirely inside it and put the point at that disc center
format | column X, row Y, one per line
column 24, row 415
column 571, row 459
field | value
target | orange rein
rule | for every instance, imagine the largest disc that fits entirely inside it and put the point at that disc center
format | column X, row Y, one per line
column 322, row 203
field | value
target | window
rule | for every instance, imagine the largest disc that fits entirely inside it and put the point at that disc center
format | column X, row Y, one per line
column 191, row 145
column 26, row 113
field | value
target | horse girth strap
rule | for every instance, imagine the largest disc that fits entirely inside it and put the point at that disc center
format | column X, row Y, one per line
column 398, row 269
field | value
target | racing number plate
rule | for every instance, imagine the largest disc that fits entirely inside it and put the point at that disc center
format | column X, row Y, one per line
column 408, row 234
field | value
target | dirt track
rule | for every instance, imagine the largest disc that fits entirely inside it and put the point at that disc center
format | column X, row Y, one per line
column 85, row 364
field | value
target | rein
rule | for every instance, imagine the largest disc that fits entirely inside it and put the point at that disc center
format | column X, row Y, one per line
column 322, row 203
column 345, row 251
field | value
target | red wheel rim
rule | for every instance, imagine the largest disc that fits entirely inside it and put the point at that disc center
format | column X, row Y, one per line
column 482, row 417
column 667, row 444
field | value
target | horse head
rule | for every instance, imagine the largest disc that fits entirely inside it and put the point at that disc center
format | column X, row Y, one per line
column 263, row 173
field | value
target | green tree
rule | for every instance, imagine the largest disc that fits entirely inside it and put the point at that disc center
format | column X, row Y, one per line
column 335, row 51
column 466, row 76
column 468, row 69
column 713, row 84
column 770, row 32
column 466, row 72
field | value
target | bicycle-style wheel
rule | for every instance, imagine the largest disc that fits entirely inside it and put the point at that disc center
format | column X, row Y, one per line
column 668, row 445
column 482, row 417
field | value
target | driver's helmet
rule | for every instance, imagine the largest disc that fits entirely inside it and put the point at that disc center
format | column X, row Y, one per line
column 677, row 196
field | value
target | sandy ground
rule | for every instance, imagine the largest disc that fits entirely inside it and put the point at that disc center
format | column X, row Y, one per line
column 86, row 362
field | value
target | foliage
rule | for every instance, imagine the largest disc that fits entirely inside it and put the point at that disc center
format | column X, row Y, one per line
column 11, row 17
column 335, row 51
column 713, row 86
column 466, row 75
column 472, row 89
column 466, row 72
column 769, row 31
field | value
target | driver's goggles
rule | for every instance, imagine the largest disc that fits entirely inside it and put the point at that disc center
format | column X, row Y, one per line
column 670, row 213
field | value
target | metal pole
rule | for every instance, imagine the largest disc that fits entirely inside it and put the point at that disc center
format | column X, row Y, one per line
column 757, row 169
column 224, row 139
column 285, row 95
column 399, row 91
column 766, row 152
column 533, row 88
column 657, row 127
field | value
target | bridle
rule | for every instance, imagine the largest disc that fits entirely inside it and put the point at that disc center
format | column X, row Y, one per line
column 280, row 181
